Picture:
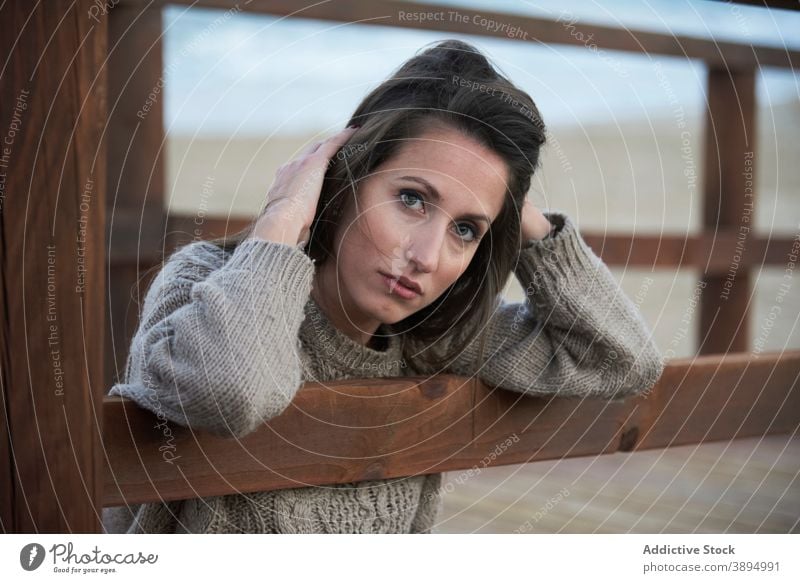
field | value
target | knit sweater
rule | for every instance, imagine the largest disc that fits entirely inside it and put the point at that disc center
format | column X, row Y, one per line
column 211, row 353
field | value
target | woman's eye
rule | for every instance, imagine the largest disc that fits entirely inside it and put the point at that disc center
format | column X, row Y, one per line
column 470, row 234
column 410, row 198
column 405, row 195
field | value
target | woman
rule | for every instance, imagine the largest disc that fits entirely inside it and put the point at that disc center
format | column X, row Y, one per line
column 383, row 251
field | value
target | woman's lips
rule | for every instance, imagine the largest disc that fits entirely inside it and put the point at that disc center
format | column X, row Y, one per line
column 398, row 288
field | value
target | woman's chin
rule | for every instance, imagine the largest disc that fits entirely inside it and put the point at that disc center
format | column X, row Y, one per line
column 387, row 311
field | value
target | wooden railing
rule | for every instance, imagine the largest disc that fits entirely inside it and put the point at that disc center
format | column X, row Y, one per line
column 331, row 434
column 84, row 169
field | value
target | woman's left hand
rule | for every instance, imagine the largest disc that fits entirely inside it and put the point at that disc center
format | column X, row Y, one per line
column 534, row 224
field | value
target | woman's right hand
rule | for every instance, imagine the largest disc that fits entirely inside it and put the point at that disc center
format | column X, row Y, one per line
column 292, row 199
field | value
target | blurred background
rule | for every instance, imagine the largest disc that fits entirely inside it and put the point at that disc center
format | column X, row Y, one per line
column 244, row 92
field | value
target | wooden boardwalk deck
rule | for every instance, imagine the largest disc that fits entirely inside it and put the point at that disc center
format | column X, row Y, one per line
column 741, row 486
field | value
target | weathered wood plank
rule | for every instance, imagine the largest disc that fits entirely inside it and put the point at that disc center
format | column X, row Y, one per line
column 744, row 485
column 719, row 397
column 335, row 434
column 711, row 251
column 526, row 28
column 52, row 113
column 779, row 4
column 729, row 196
column 135, row 136
column 183, row 229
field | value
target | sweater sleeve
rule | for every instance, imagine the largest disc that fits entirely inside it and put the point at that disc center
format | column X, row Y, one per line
column 212, row 350
column 576, row 334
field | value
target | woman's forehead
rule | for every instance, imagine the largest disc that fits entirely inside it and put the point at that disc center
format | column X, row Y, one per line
column 457, row 167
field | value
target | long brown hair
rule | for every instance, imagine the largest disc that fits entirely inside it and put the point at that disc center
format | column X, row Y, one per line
column 451, row 83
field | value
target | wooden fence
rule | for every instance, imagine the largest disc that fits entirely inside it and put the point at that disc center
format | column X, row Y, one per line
column 83, row 214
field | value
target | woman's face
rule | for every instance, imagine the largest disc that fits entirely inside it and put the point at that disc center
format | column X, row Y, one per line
column 420, row 216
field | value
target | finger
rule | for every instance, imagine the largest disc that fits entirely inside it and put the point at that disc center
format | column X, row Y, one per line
column 330, row 146
column 309, row 149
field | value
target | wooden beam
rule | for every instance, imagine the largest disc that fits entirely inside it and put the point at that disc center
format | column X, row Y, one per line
column 52, row 281
column 729, row 197
column 717, row 398
column 135, row 135
column 710, row 252
column 183, row 229
column 333, row 434
column 137, row 236
column 544, row 31
column 775, row 4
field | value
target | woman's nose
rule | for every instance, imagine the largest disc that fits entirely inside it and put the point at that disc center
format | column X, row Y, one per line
column 426, row 248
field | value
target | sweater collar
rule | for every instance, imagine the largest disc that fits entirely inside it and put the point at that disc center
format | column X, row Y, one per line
column 327, row 341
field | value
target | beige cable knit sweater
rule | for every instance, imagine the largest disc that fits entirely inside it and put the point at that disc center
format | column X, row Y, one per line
column 213, row 352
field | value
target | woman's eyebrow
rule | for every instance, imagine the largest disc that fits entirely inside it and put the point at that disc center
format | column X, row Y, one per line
column 434, row 194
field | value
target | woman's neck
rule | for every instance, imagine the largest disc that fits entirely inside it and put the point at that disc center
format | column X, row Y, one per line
column 338, row 308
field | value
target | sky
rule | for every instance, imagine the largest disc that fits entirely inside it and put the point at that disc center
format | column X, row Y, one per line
column 230, row 73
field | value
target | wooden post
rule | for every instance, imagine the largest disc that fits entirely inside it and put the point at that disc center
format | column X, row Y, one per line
column 728, row 208
column 136, row 214
column 52, row 114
